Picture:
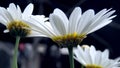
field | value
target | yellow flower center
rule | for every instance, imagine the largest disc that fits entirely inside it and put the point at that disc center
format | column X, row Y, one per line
column 69, row 39
column 16, row 28
column 93, row 66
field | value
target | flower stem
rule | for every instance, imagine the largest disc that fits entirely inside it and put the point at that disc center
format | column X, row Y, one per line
column 70, row 49
column 14, row 65
column 82, row 66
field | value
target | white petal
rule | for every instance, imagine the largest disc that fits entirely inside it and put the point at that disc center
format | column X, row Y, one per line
column 117, row 59
column 36, row 34
column 73, row 20
column 80, row 60
column 98, row 57
column 63, row 17
column 100, row 21
column 3, row 21
column 93, row 54
column 6, row 31
column 85, row 21
column 19, row 13
column 57, row 24
column 64, row 51
column 43, row 29
column 42, row 17
column 97, row 27
column 28, row 11
column 87, row 55
column 81, row 56
column 98, row 16
column 108, row 14
column 105, row 56
column 39, row 18
column 5, row 14
column 40, row 23
column 13, row 11
column 107, row 64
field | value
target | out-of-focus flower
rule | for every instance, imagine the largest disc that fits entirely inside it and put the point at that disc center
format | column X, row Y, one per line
column 92, row 58
column 15, row 20
column 72, row 31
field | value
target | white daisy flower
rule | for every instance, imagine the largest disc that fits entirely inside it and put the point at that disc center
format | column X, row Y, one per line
column 72, row 30
column 15, row 20
column 92, row 58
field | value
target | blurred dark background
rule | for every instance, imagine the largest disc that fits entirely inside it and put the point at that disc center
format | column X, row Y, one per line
column 107, row 37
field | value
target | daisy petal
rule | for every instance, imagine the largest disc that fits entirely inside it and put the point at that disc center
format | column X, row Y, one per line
column 96, row 27
column 74, row 18
column 6, row 31
column 85, row 20
column 28, row 11
column 63, row 17
column 57, row 24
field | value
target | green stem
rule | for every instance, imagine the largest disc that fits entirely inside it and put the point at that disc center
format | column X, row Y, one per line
column 71, row 59
column 14, row 65
column 82, row 66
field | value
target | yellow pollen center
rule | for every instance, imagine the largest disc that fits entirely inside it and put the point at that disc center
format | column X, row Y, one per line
column 93, row 66
column 69, row 39
column 17, row 28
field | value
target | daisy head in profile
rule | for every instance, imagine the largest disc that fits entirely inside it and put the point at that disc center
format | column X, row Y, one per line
column 89, row 57
column 15, row 20
column 71, row 31
column 16, row 23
